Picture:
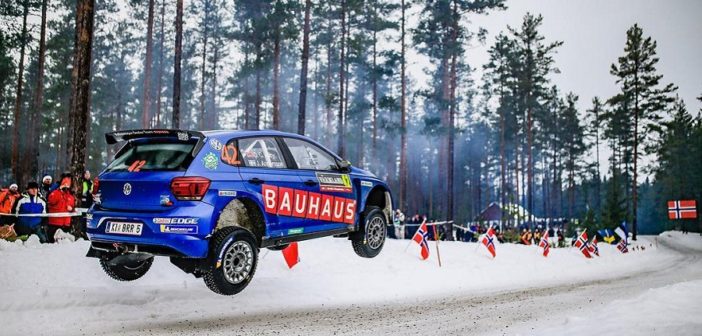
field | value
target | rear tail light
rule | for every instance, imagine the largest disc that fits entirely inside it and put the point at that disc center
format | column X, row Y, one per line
column 189, row 188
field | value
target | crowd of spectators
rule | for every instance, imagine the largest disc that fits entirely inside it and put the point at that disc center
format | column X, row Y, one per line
column 45, row 208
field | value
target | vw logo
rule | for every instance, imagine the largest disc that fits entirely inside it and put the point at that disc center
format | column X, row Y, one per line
column 127, row 189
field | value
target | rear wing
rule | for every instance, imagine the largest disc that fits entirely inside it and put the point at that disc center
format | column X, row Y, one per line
column 182, row 135
column 115, row 137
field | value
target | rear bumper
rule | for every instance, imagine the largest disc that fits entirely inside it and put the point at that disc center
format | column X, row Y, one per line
column 180, row 231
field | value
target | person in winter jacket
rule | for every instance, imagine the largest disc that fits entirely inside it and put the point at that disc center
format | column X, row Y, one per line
column 60, row 200
column 45, row 189
column 85, row 188
column 30, row 204
column 8, row 198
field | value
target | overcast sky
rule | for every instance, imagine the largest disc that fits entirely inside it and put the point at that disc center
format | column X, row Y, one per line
column 594, row 33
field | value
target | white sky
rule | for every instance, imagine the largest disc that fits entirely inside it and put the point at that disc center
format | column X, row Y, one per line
column 594, row 34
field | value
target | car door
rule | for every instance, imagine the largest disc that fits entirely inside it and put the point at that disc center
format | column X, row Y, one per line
column 330, row 195
column 269, row 178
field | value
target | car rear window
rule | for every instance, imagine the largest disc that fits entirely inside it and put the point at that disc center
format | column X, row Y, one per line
column 153, row 156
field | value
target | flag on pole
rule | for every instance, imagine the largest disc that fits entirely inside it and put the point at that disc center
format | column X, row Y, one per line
column 291, row 255
column 621, row 231
column 420, row 237
column 489, row 241
column 544, row 243
column 581, row 243
column 592, row 247
column 683, row 209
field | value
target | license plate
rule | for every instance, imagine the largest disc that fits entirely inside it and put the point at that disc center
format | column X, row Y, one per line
column 127, row 228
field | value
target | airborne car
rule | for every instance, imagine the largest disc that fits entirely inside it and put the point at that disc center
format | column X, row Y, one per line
column 210, row 200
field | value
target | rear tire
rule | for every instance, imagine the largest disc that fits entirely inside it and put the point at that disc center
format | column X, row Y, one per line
column 232, row 261
column 127, row 271
column 369, row 241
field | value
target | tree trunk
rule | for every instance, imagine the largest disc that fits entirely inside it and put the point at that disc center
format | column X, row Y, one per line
column 178, row 55
column 342, row 70
column 16, row 165
column 80, row 104
column 374, row 97
column 450, row 141
column 302, row 105
column 146, row 105
column 257, row 117
column 38, row 102
column 403, row 114
column 213, row 120
column 203, row 72
column 276, row 79
column 159, row 85
column 530, row 164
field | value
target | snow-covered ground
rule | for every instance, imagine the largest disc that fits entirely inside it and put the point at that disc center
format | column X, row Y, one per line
column 50, row 289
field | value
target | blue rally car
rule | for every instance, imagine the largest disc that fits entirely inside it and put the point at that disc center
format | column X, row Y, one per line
column 211, row 200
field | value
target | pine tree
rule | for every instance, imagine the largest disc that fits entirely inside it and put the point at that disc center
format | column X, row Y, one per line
column 302, row 104
column 596, row 116
column 640, row 85
column 80, row 97
column 177, row 60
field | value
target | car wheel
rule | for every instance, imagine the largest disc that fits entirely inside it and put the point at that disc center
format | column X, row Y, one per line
column 371, row 238
column 126, row 270
column 232, row 261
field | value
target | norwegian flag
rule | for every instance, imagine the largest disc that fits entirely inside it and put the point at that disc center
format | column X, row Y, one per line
column 592, row 247
column 684, row 209
column 623, row 234
column 582, row 244
column 489, row 241
column 622, row 246
column 420, row 237
column 543, row 243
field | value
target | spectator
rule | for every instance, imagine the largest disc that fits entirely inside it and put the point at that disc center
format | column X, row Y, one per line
column 85, row 187
column 45, row 187
column 8, row 198
column 60, row 200
column 561, row 239
column 30, row 204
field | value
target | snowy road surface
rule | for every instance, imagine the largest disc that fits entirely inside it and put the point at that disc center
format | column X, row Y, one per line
column 55, row 290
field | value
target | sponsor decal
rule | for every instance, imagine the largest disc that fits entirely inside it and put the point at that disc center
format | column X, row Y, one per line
column 181, row 229
column 183, row 136
column 331, row 182
column 227, row 193
column 216, row 144
column 210, row 161
column 296, row 231
column 166, row 200
column 310, row 205
column 366, row 184
column 175, row 220
column 221, row 252
column 127, row 189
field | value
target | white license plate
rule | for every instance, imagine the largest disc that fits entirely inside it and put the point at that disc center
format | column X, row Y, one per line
column 128, row 228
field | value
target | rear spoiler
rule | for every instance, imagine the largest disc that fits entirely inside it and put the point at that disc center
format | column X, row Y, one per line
column 115, row 137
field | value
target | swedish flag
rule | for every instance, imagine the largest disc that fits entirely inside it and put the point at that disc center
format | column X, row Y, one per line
column 607, row 236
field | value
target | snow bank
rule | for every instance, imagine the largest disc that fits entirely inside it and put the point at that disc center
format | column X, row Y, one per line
column 669, row 310
column 56, row 284
column 691, row 241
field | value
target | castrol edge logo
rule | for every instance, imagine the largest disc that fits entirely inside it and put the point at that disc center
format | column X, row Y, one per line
column 310, row 205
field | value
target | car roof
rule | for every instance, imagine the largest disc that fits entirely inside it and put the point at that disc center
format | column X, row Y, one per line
column 221, row 134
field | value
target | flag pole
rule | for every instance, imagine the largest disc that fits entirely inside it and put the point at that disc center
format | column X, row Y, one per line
column 436, row 239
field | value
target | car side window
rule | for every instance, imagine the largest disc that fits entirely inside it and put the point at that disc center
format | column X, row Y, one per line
column 309, row 156
column 261, row 152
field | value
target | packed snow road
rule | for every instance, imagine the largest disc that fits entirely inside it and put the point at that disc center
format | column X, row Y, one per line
column 54, row 290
